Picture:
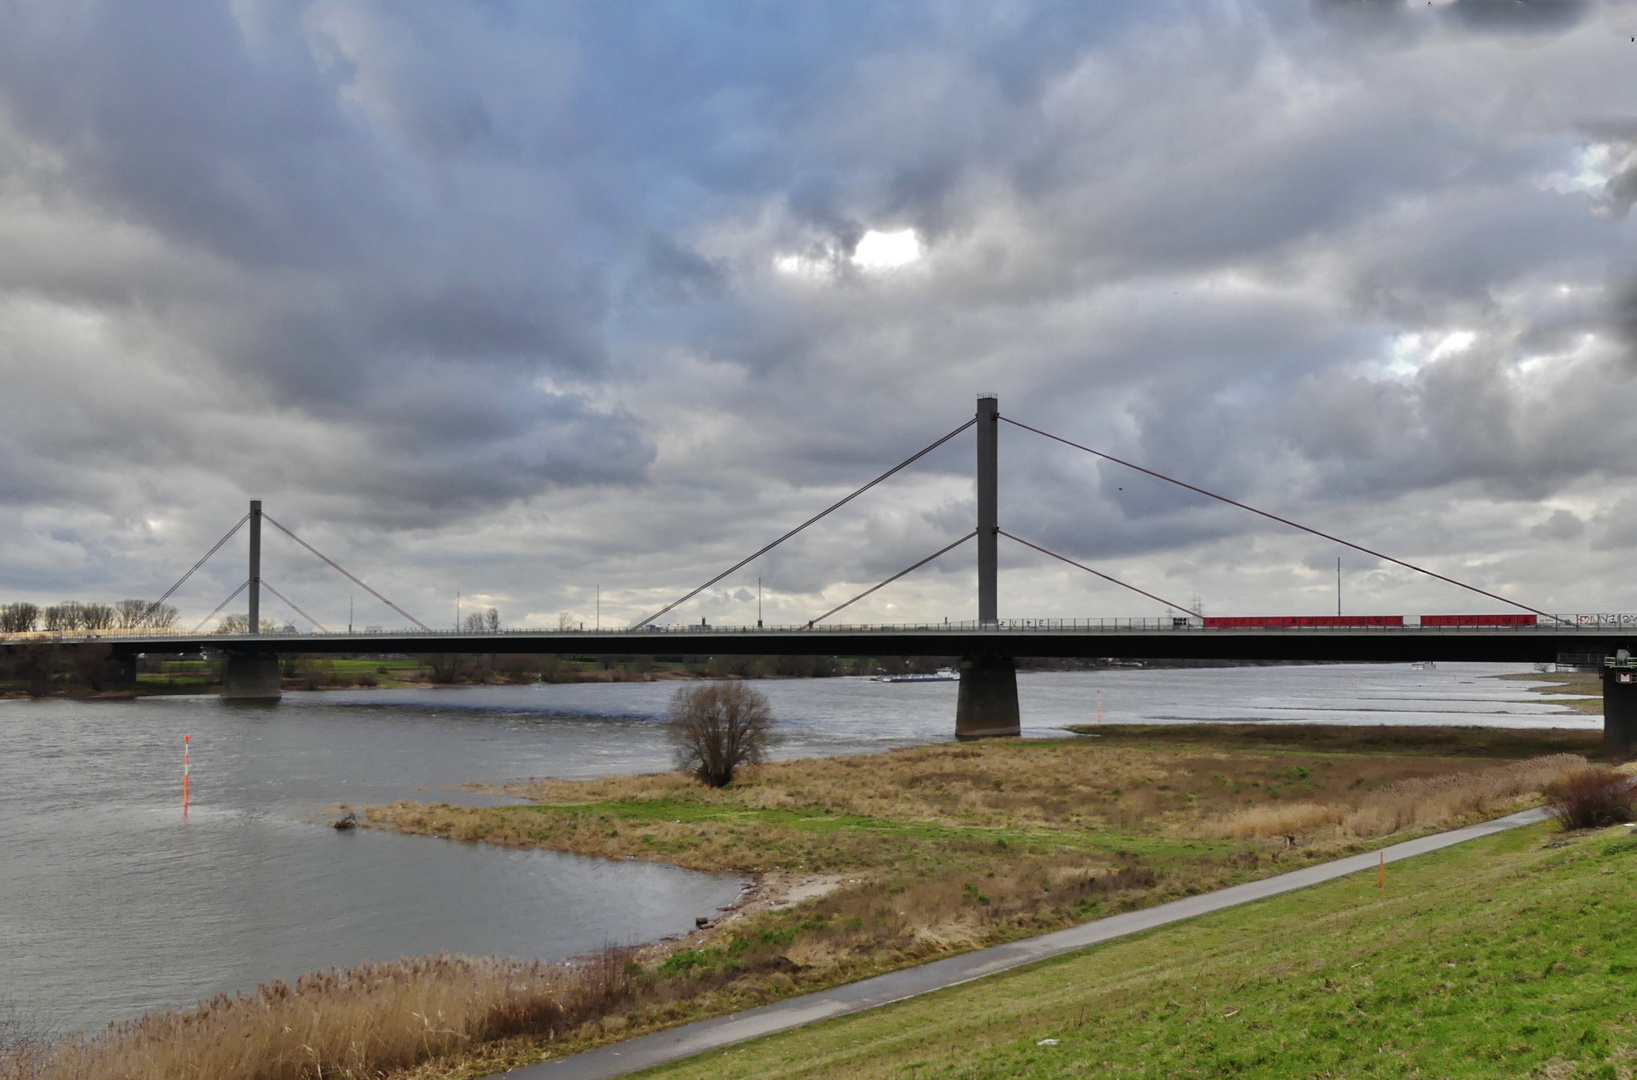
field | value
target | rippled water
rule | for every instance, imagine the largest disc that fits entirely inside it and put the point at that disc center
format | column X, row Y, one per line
column 111, row 903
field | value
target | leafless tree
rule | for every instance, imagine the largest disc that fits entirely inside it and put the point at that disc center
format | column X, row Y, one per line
column 565, row 620
column 240, row 624
column 96, row 616
column 161, row 617
column 717, row 727
column 19, row 618
column 64, row 616
column 483, row 622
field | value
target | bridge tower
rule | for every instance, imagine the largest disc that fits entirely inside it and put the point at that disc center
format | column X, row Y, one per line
column 249, row 674
column 987, row 703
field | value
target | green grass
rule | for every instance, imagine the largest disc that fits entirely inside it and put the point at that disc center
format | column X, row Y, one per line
column 890, row 842
column 1510, row 956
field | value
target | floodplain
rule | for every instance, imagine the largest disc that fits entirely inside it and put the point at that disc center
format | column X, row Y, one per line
column 862, row 864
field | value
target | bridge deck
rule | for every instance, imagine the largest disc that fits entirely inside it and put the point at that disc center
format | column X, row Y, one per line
column 1135, row 639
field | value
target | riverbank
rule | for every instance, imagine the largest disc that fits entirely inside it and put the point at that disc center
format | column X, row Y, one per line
column 932, row 851
column 1506, row 956
column 885, row 861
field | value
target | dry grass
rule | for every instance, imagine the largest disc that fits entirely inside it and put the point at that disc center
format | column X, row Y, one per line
column 1587, row 686
column 1081, row 784
column 1593, row 798
column 942, row 848
column 1417, row 803
column 362, row 1021
column 1442, row 741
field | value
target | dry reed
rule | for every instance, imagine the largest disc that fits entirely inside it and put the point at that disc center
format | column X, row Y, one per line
column 1414, row 803
column 362, row 1021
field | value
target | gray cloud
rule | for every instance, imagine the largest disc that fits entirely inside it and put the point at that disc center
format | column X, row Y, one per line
column 527, row 301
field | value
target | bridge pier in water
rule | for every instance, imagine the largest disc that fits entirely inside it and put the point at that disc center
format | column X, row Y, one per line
column 986, row 706
column 250, row 677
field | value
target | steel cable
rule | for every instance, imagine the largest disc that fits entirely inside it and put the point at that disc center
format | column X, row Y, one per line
column 1099, row 573
column 892, row 579
column 224, row 603
column 1280, row 520
column 288, row 603
column 343, row 570
column 153, row 607
column 918, row 455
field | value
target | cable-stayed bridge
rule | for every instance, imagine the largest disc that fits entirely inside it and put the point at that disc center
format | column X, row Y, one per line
column 988, row 646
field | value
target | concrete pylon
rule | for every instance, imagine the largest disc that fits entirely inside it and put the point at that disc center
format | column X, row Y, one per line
column 988, row 508
column 1620, row 706
column 255, row 566
column 986, row 707
column 251, row 677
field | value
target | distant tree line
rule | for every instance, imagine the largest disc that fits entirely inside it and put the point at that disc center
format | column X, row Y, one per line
column 71, row 615
column 60, row 668
column 240, row 624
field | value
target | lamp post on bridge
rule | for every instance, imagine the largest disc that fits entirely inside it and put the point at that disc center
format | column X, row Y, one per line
column 987, row 703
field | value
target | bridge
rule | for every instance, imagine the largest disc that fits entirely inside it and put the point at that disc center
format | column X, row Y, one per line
column 987, row 702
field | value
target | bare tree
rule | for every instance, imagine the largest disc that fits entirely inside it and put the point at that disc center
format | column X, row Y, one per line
column 64, row 616
column 128, row 614
column 162, row 617
column 240, row 624
column 565, row 620
column 482, row 622
column 19, row 618
column 717, row 727
column 96, row 616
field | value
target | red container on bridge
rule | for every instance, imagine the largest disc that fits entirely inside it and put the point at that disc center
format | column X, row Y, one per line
column 1477, row 620
column 1300, row 622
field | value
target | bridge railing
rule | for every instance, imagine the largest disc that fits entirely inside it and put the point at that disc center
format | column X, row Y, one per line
column 1602, row 622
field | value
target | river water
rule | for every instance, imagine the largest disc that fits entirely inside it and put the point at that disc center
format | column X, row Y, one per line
column 111, row 903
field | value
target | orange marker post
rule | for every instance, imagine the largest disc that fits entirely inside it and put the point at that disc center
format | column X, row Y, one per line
column 1099, row 704
column 186, row 764
column 1381, row 872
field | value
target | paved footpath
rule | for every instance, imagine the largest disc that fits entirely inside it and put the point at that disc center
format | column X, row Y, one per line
column 697, row 1038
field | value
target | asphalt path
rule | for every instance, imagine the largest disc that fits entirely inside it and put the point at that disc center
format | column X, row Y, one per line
column 706, row 1035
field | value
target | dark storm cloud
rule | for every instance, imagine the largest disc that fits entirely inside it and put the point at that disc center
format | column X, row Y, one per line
column 558, row 296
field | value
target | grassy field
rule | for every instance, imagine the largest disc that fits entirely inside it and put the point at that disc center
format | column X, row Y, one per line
column 1510, row 956
column 1584, row 687
column 935, row 850
column 885, row 861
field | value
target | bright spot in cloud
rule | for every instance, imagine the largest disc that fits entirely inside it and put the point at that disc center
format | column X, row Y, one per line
column 818, row 264
column 1409, row 353
column 887, row 250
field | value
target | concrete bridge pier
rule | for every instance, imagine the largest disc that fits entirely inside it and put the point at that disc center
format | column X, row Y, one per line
column 1620, row 705
column 121, row 672
column 250, row 677
column 987, row 705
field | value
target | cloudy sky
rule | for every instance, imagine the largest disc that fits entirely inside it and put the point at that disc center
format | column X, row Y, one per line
column 521, row 300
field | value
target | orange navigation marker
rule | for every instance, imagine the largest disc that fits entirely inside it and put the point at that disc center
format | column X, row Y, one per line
column 186, row 740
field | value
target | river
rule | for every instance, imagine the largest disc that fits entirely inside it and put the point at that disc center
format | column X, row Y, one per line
column 111, row 903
